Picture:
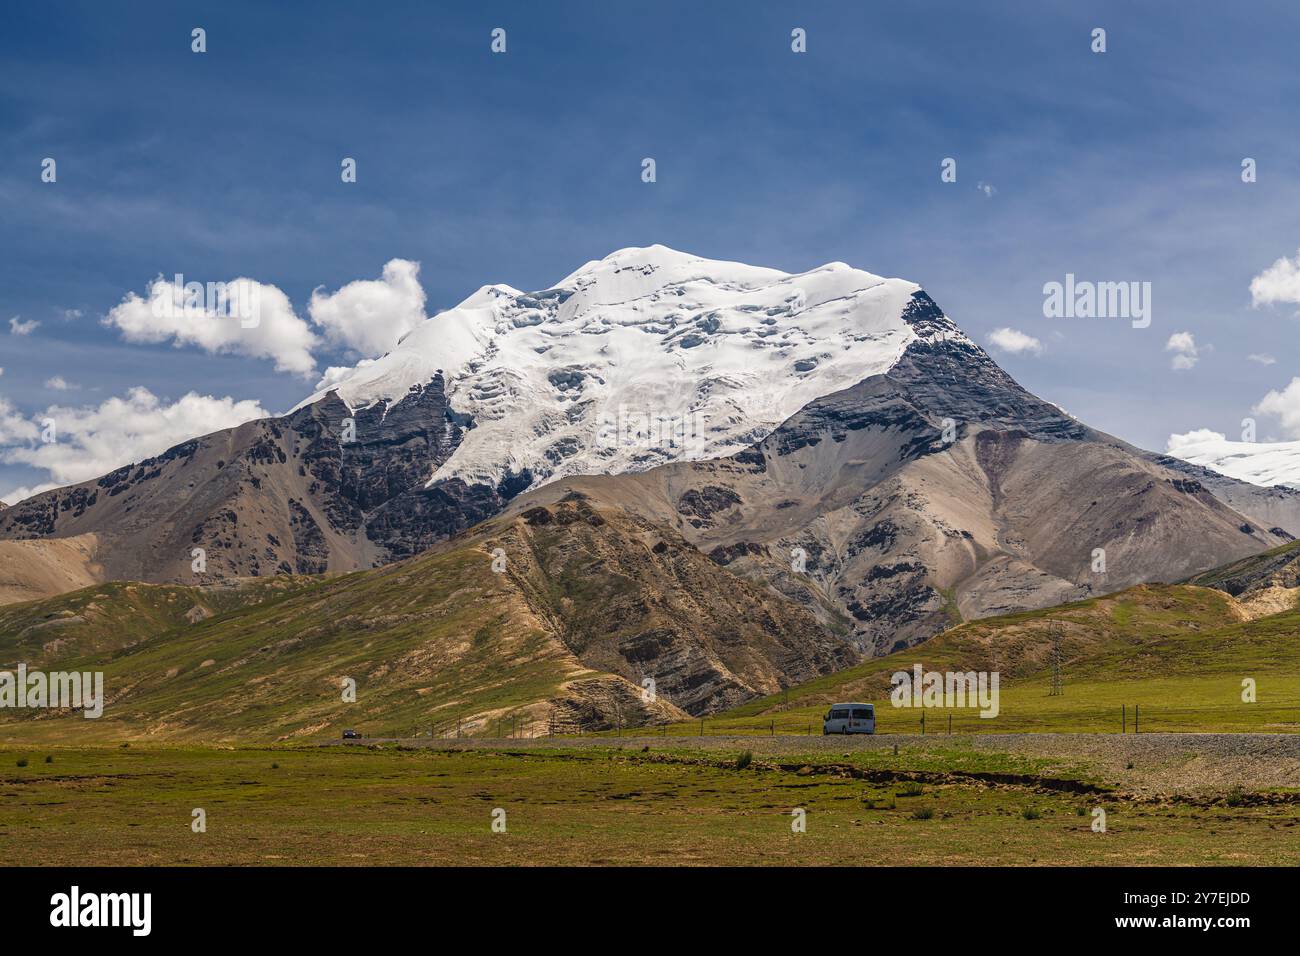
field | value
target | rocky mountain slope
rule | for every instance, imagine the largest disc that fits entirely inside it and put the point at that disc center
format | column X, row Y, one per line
column 1269, row 581
column 554, row 618
column 1276, row 507
column 41, row 567
column 935, row 492
column 325, row 488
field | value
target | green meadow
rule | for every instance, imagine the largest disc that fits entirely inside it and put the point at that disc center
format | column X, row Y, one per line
column 423, row 806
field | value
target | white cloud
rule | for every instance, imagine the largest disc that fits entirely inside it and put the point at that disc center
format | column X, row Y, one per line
column 1262, row 358
column 370, row 315
column 1285, row 405
column 13, row 426
column 339, row 373
column 1280, row 282
column 59, row 384
column 988, row 189
column 22, row 328
column 1014, row 342
column 1189, row 442
column 1186, row 351
column 255, row 320
column 71, row 314
column 93, row 440
column 18, row 494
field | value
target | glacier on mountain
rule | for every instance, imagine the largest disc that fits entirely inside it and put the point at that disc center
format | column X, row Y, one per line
column 646, row 356
column 1260, row 463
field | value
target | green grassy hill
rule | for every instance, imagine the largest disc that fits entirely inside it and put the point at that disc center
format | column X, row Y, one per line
column 109, row 617
column 427, row 642
column 583, row 606
column 1277, row 567
column 589, row 602
column 1176, row 654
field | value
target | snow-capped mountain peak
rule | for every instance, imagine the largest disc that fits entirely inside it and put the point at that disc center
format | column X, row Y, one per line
column 646, row 356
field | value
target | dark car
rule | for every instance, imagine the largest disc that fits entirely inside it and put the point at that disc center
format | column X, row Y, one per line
column 351, row 735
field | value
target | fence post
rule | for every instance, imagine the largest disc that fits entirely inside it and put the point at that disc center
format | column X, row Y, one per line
column 1123, row 718
column 1137, row 710
column 923, row 722
column 701, row 726
column 950, row 725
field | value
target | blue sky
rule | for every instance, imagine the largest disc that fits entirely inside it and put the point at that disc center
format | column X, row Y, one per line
column 518, row 168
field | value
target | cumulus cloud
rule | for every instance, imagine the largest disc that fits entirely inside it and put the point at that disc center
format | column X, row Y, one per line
column 339, row 373
column 1186, row 351
column 1014, row 342
column 241, row 317
column 1285, row 405
column 23, row 491
column 17, row 327
column 370, row 315
column 95, row 439
column 1196, row 440
column 14, row 427
column 1280, row 282
column 245, row 317
column 59, row 384
column 1262, row 358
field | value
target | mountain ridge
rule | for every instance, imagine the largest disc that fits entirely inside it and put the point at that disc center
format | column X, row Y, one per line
column 921, row 483
column 903, row 530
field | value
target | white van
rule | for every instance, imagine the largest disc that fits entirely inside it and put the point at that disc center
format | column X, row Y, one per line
column 849, row 719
